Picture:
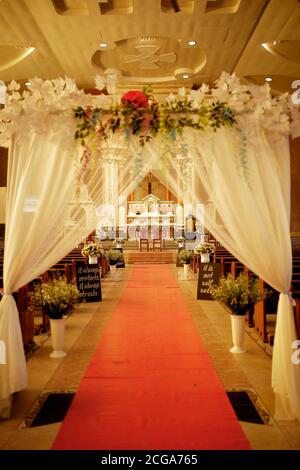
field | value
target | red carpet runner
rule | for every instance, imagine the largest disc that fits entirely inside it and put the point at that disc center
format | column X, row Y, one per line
column 151, row 384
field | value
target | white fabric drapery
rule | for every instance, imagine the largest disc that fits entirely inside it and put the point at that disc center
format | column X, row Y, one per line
column 44, row 221
column 254, row 225
column 245, row 176
column 242, row 172
column 250, row 193
column 40, row 184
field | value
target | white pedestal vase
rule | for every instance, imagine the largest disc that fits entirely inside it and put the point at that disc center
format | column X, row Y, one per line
column 238, row 333
column 186, row 269
column 205, row 258
column 93, row 260
column 113, row 270
column 57, row 336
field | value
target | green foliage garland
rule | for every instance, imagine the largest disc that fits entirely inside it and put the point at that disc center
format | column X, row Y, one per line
column 168, row 118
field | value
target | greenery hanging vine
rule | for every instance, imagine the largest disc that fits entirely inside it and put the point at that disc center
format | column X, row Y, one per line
column 139, row 114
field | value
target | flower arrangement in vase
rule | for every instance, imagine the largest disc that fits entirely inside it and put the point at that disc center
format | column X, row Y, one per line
column 93, row 251
column 185, row 256
column 204, row 249
column 238, row 296
column 57, row 298
column 113, row 257
column 119, row 242
column 180, row 241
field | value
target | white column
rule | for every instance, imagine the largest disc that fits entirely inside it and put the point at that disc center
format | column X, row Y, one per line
column 111, row 187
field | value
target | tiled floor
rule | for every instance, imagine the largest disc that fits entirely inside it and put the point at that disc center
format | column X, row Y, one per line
column 251, row 371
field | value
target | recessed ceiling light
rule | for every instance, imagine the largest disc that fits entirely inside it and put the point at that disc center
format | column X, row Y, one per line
column 192, row 42
column 103, row 44
column 268, row 79
column 185, row 75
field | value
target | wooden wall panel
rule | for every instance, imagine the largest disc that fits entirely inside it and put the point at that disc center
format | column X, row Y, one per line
column 295, row 182
column 3, row 165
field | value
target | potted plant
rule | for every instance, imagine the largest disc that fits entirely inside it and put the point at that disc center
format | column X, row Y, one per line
column 204, row 249
column 113, row 257
column 93, row 251
column 180, row 241
column 57, row 298
column 238, row 296
column 119, row 242
column 185, row 256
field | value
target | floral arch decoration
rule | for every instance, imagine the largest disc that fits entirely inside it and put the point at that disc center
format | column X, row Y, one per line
column 235, row 135
column 137, row 115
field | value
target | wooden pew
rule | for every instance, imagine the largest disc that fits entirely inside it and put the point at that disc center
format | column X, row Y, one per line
column 297, row 317
column 26, row 317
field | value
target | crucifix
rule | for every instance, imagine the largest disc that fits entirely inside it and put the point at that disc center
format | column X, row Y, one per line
column 149, row 176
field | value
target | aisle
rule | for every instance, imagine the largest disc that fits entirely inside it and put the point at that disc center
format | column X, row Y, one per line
column 151, row 384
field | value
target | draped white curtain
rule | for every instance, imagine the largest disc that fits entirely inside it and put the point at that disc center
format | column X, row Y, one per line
column 245, row 178
column 40, row 185
column 244, row 175
column 253, row 205
column 116, row 172
column 45, row 220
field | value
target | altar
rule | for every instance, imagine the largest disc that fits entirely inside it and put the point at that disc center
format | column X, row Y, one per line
column 151, row 218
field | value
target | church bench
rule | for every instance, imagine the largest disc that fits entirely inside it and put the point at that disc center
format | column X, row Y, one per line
column 264, row 309
column 296, row 288
column 195, row 263
column 103, row 265
column 269, row 307
column 237, row 267
column 65, row 269
column 26, row 316
column 297, row 317
column 226, row 264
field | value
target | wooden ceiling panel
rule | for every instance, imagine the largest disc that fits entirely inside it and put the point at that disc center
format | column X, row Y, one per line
column 66, row 42
column 279, row 21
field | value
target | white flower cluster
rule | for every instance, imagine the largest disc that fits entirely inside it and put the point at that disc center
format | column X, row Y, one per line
column 204, row 248
column 48, row 105
column 45, row 105
column 92, row 249
column 250, row 103
column 114, row 256
column 57, row 297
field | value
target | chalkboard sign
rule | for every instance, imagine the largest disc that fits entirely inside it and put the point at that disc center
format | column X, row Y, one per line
column 209, row 275
column 88, row 282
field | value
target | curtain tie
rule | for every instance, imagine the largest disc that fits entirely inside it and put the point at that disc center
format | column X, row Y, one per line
column 291, row 298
